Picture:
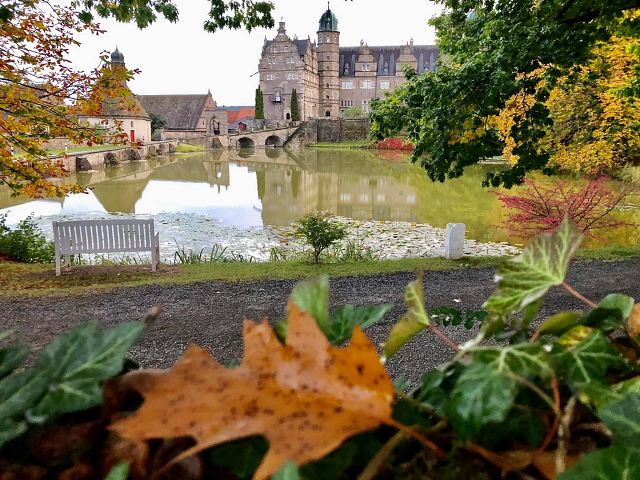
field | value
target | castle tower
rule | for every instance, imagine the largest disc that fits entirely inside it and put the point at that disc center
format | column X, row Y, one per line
column 328, row 64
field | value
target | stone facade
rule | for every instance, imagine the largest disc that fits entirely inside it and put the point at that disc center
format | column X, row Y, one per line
column 329, row 78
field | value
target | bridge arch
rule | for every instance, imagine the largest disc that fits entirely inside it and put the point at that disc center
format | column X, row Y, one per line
column 273, row 140
column 246, row 142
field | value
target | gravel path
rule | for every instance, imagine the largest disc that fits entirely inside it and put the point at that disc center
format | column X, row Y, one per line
column 210, row 313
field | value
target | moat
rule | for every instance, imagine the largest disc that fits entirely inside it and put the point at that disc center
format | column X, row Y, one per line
column 227, row 196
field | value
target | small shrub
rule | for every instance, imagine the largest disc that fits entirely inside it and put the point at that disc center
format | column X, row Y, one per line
column 320, row 233
column 539, row 208
column 396, row 143
column 353, row 112
column 26, row 244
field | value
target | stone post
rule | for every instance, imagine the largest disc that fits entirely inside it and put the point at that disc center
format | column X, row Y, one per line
column 454, row 240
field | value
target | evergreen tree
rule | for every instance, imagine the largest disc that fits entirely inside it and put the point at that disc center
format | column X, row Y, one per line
column 295, row 110
column 259, row 105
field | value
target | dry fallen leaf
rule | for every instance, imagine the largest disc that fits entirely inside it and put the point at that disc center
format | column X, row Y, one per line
column 305, row 397
column 633, row 323
column 507, row 461
column 545, row 462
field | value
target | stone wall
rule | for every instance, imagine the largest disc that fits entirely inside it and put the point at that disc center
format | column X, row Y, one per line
column 331, row 130
column 352, row 129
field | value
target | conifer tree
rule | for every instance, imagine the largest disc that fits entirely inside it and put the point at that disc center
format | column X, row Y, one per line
column 259, row 105
column 295, row 110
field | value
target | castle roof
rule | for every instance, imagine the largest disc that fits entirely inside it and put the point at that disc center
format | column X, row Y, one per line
column 181, row 112
column 301, row 45
column 117, row 56
column 235, row 115
column 128, row 107
column 425, row 57
column 328, row 22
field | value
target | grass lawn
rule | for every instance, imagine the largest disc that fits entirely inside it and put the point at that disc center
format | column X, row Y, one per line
column 76, row 149
column 38, row 279
column 354, row 144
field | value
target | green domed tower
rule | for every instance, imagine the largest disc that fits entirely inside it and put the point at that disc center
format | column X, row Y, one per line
column 328, row 64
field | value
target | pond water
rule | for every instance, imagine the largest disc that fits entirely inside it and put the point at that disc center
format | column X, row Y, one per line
column 247, row 190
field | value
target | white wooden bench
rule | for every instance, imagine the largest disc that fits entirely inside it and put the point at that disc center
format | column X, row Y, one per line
column 105, row 236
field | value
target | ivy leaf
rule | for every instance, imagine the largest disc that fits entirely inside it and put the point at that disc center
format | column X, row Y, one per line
column 118, row 472
column 610, row 314
column 411, row 323
column 522, row 359
column 313, row 296
column 584, row 356
column 344, row 318
column 623, row 419
column 20, row 391
column 431, row 393
column 518, row 426
column 10, row 429
column 481, row 395
column 288, row 471
column 530, row 312
column 80, row 360
column 559, row 323
column 613, row 462
column 242, row 457
column 12, row 357
column 542, row 265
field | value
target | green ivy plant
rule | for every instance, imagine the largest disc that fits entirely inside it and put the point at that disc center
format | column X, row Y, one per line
column 559, row 395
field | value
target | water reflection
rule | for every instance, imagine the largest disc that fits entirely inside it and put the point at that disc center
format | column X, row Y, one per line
column 248, row 188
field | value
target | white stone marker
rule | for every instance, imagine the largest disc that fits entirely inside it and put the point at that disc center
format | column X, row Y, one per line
column 454, row 240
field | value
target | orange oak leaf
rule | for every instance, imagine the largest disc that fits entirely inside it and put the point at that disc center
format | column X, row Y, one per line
column 305, row 397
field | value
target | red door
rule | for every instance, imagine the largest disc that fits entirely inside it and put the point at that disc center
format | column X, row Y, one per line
column 132, row 134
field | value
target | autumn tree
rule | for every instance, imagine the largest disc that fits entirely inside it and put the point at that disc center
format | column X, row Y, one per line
column 494, row 51
column 42, row 95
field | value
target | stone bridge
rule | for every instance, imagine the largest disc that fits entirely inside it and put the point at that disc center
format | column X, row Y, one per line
column 261, row 138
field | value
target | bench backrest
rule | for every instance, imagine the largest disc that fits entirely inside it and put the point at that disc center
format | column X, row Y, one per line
column 103, row 236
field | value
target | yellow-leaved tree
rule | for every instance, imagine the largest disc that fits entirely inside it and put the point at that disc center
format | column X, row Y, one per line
column 594, row 126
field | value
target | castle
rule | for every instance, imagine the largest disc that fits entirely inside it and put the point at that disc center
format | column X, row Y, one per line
column 329, row 78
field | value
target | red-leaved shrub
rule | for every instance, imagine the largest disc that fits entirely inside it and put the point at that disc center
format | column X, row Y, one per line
column 539, row 208
column 395, row 143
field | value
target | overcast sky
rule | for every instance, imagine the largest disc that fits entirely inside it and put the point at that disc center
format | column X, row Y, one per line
column 183, row 58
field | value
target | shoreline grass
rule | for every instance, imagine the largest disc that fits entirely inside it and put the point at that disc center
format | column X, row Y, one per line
column 366, row 144
column 39, row 279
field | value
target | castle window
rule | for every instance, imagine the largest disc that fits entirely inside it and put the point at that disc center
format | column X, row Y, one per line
column 328, row 39
column 288, row 60
column 328, row 57
column 269, row 60
column 291, row 76
column 269, row 76
column 347, row 85
column 386, row 68
column 131, row 123
column 277, row 95
column 327, row 67
column 327, row 99
column 327, row 113
column 327, row 85
column 275, row 49
column 384, row 85
column 286, row 48
column 365, row 106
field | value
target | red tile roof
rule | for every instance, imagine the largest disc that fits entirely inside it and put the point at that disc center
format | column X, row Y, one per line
column 235, row 115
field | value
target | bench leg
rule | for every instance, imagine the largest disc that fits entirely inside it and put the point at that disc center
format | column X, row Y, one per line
column 57, row 265
column 68, row 262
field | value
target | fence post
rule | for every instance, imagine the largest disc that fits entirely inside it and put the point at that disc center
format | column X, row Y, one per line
column 454, row 240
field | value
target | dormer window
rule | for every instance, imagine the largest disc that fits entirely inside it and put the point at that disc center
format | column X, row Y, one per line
column 275, row 49
column 277, row 95
column 286, row 48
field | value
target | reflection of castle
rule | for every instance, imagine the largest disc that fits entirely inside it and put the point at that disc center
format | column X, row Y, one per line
column 288, row 192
